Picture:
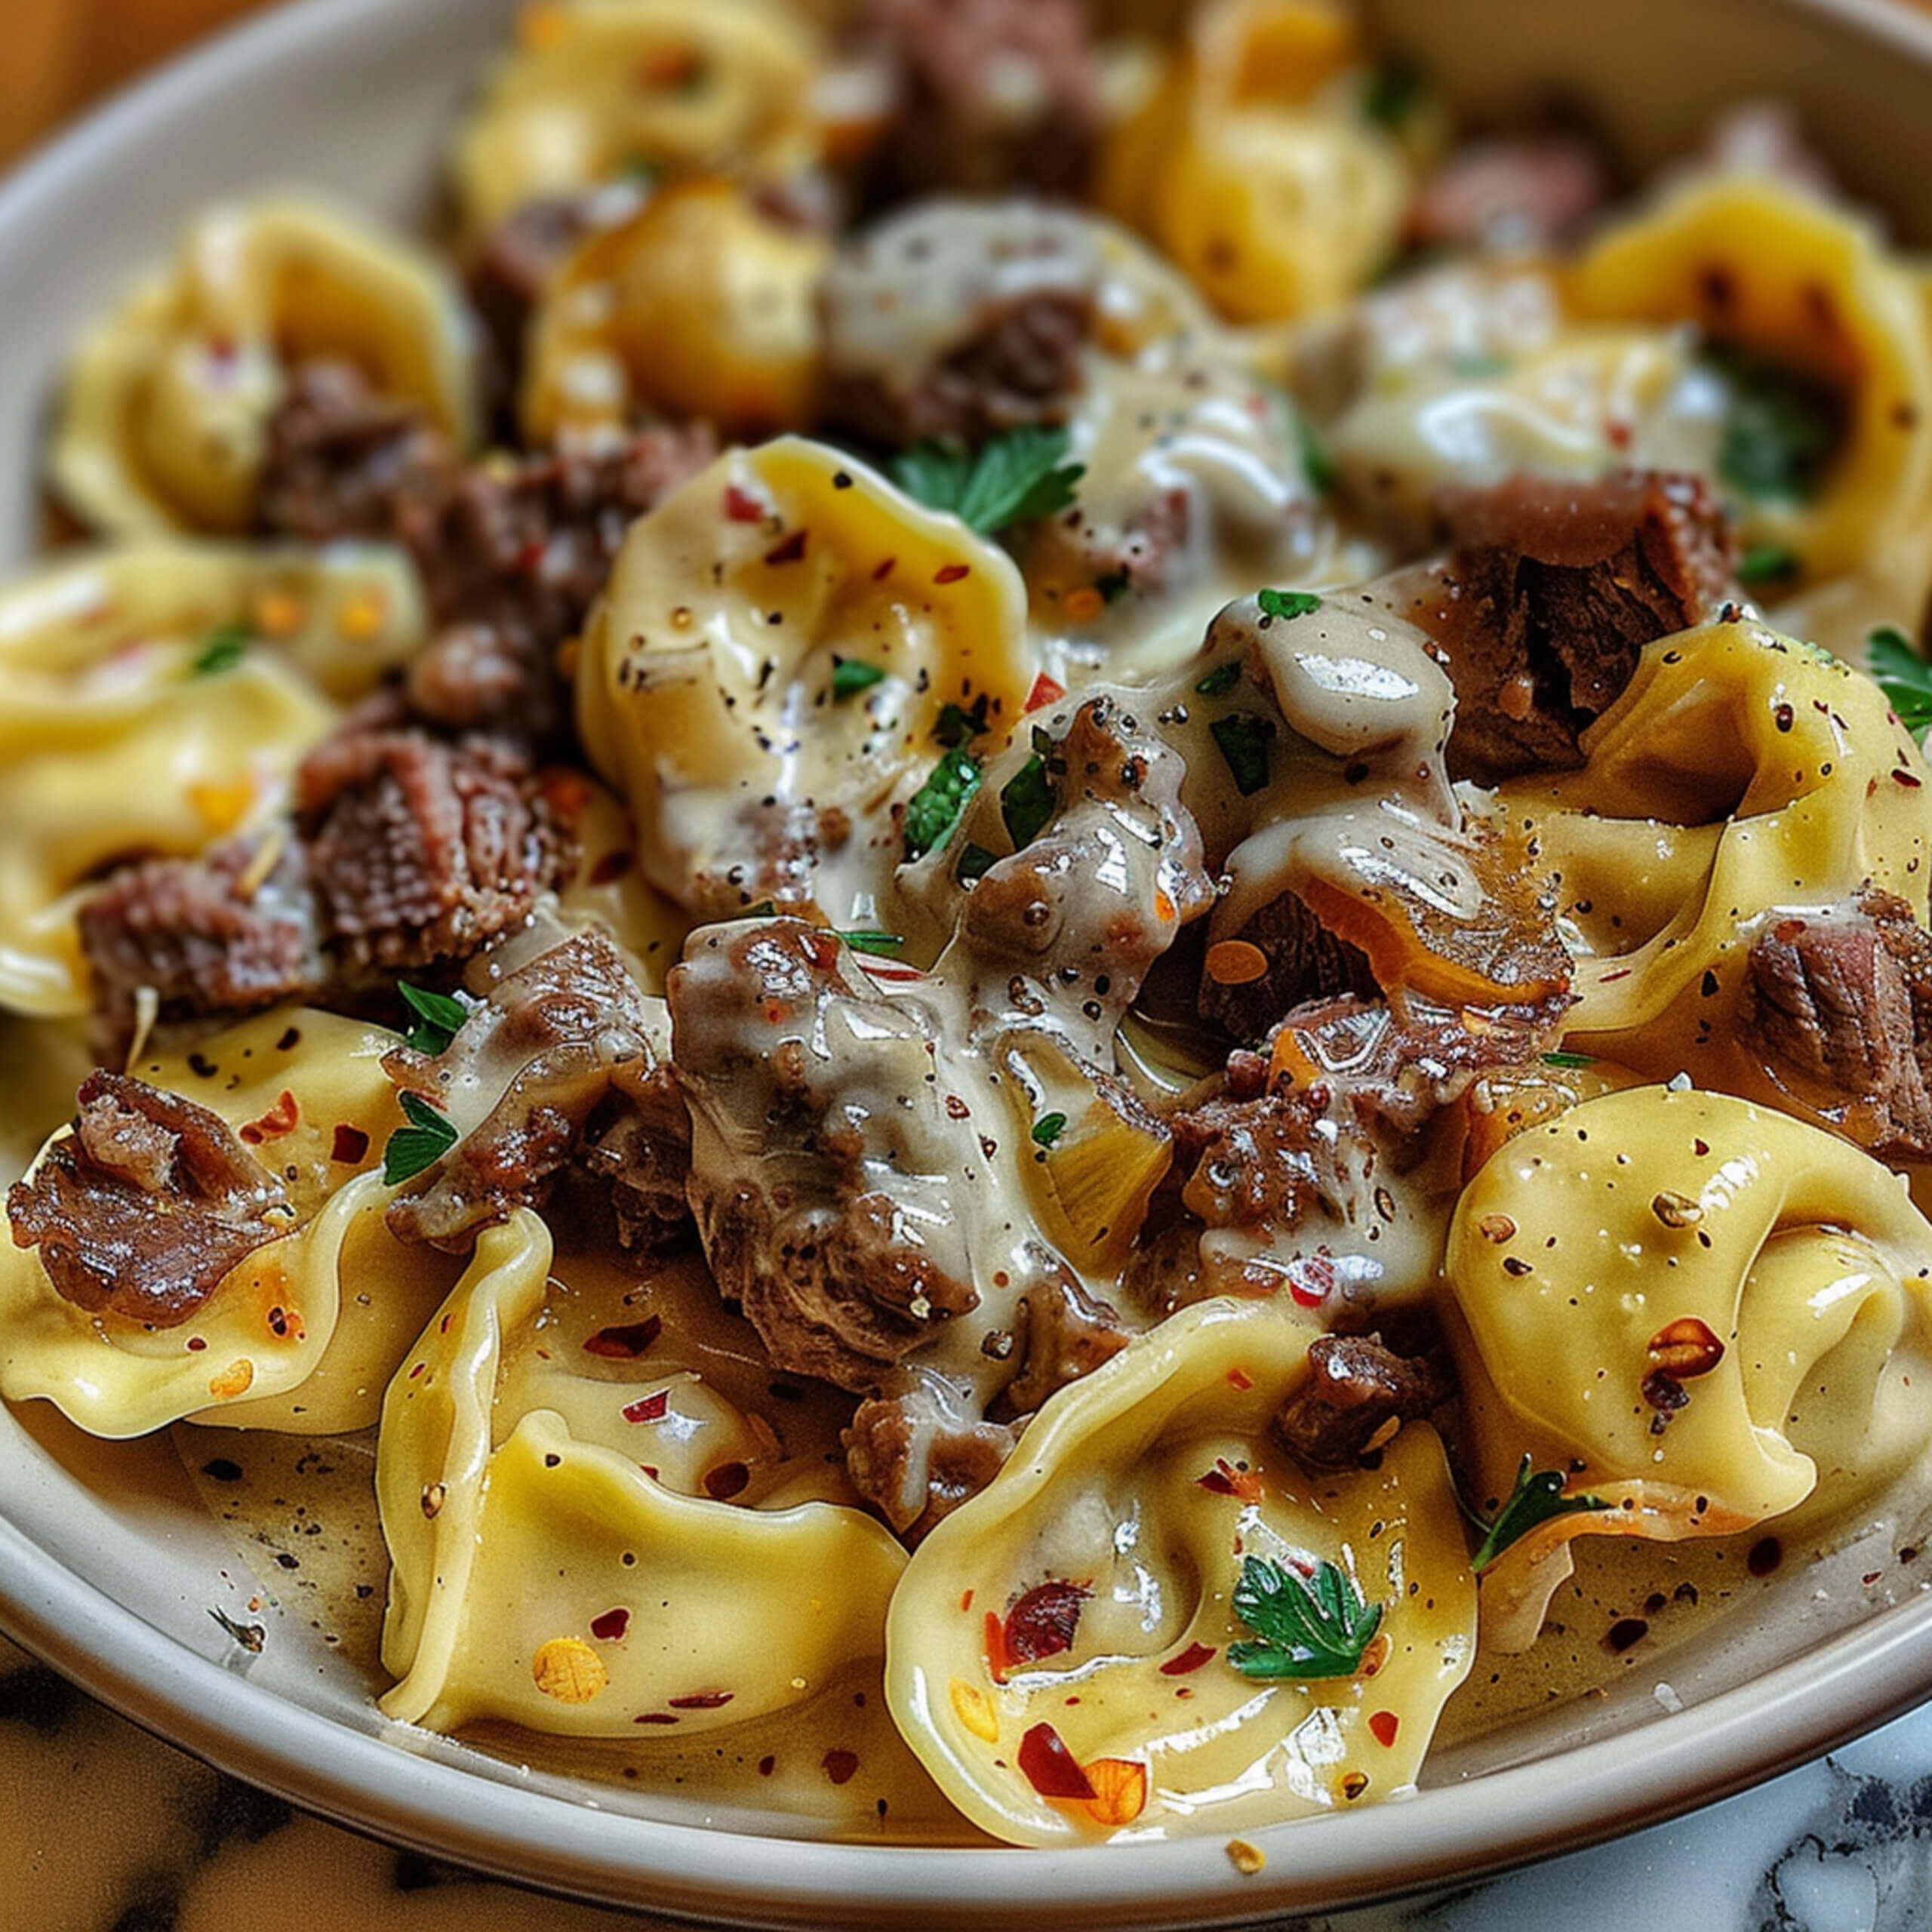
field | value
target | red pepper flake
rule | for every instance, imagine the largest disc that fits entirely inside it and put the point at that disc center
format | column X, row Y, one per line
column 196, row 1344
column 1311, row 1280
column 627, row 1343
column 1907, row 778
column 279, row 1120
column 612, row 867
column 741, row 506
column 1190, row 1660
column 1241, row 1378
column 841, row 1767
column 417, row 1369
column 707, row 1700
column 1050, row 1768
column 653, row 1408
column 655, row 1717
column 1224, row 1479
column 885, row 569
column 1042, row 1623
column 726, row 1481
column 1383, row 1726
column 997, row 1659
column 766, row 1766
column 788, row 550
column 650, row 1469
column 951, row 573
column 966, row 1602
column 611, row 1626
column 351, row 1144
column 1046, row 691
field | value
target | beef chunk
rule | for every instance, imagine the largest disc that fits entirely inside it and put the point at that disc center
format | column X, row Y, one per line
column 1843, row 1001
column 516, row 261
column 986, row 94
column 915, row 1462
column 1304, row 961
column 1069, row 1335
column 146, row 1207
column 420, row 851
column 1529, row 194
column 1550, row 595
column 1356, row 1388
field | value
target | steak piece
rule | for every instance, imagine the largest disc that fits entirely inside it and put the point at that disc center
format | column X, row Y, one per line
column 145, row 1207
column 1356, row 1388
column 1304, row 961
column 1548, row 599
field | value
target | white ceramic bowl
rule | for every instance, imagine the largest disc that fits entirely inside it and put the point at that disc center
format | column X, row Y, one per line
column 107, row 1566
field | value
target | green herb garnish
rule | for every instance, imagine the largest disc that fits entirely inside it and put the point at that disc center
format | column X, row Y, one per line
column 1781, row 430
column 1016, row 478
column 1537, row 1497
column 1242, row 739
column 936, row 806
column 1027, row 801
column 1048, row 1128
column 1904, row 676
column 957, row 726
column 1317, row 464
column 1287, row 604
column 428, row 1137
column 974, row 863
column 851, row 675
column 1392, row 93
column 1767, row 563
column 223, row 648
column 1569, row 1060
column 879, row 943
column 1220, row 680
column 1313, row 1627
column 1113, row 585
column 438, row 1017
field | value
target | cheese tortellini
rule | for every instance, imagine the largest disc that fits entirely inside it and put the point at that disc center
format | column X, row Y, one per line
column 588, row 1533
column 165, row 410
column 156, row 698
column 1701, row 1312
column 1060, row 1650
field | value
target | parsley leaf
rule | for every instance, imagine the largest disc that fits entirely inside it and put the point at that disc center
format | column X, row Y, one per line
column 877, row 942
column 936, row 806
column 1220, row 680
column 1392, row 93
column 1781, row 430
column 421, row 1144
column 223, row 648
column 1048, row 1128
column 1243, row 738
column 1287, row 604
column 439, row 1018
column 1027, row 801
column 974, row 863
column 851, row 675
column 1317, row 464
column 1313, row 1627
column 1767, row 563
column 1569, row 1060
column 1536, row 1498
column 1904, row 676
column 957, row 726
column 1016, row 478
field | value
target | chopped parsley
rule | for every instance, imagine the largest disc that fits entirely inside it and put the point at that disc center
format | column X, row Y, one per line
column 1016, row 478
column 1781, row 430
column 936, row 806
column 1536, row 1498
column 957, row 726
column 1048, row 1128
column 1243, row 738
column 1220, row 680
column 1392, row 93
column 439, row 1018
column 851, row 675
column 1312, row 1626
column 1287, row 604
column 975, row 862
column 1318, row 465
column 1569, row 1060
column 1767, row 563
column 877, row 942
column 1027, row 799
column 424, row 1141
column 223, row 648
column 1904, row 676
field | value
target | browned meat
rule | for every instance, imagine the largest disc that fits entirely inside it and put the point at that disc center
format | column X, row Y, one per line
column 1843, row 1001
column 987, row 93
column 1529, row 194
column 1552, row 592
column 516, row 259
column 775, row 853
column 203, row 934
column 1356, row 1388
column 555, row 1040
column 643, row 1156
column 145, row 1209
column 1021, row 364
column 1304, row 961
column 1069, row 1334
column 916, row 1464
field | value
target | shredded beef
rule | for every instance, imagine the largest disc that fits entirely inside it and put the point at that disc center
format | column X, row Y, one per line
column 516, row 260
column 986, row 94
column 1356, row 1388
column 1843, row 1000
column 1069, row 1334
column 1552, row 592
column 146, row 1207
column 916, row 1463
column 1306, row 961
column 1530, row 193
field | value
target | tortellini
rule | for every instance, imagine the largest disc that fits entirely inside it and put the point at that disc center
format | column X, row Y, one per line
column 303, row 1333
column 716, row 688
column 697, row 303
column 165, row 414
column 1741, row 774
column 1700, row 1312
column 156, row 699
column 1254, row 166
column 1070, row 1627
column 1763, row 267
column 588, row 1533
column 598, row 87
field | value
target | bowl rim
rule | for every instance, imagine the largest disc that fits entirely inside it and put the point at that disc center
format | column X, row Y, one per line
column 1607, row 1786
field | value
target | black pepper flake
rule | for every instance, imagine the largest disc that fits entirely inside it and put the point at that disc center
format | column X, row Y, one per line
column 1624, row 1631
column 1765, row 1556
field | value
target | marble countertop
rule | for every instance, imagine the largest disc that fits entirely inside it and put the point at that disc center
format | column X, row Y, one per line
column 103, row 1829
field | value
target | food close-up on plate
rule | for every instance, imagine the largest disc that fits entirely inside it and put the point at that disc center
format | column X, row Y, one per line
column 971, row 962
